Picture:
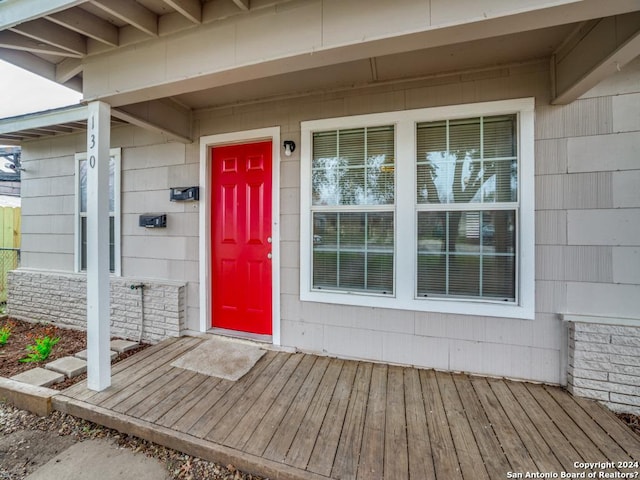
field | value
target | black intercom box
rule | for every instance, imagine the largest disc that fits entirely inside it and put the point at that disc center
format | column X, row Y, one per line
column 153, row 220
column 184, row 194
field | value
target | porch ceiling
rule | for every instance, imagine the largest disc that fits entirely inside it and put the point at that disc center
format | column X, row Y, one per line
column 460, row 57
column 58, row 39
column 51, row 38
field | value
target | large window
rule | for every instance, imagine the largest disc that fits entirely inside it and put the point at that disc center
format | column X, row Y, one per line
column 114, row 211
column 427, row 209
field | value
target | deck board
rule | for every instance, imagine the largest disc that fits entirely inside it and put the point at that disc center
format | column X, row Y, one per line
column 255, row 412
column 258, row 438
column 226, row 402
column 557, row 442
column 173, row 398
column 471, row 463
column 372, row 450
column 540, row 452
column 345, row 464
column 508, row 437
column 493, row 455
column 324, row 451
column 418, row 443
column 600, row 437
column 301, row 449
column 288, row 428
column 315, row 418
column 396, row 456
column 582, row 444
column 443, row 450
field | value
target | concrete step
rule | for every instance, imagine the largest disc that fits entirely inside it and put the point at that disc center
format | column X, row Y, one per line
column 83, row 355
column 40, row 377
column 122, row 346
column 68, row 366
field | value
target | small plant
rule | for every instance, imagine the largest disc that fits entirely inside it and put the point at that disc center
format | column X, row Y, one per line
column 5, row 333
column 41, row 349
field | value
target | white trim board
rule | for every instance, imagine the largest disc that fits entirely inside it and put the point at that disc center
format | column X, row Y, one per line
column 206, row 143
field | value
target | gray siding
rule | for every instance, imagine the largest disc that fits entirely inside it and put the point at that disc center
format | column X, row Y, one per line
column 587, row 220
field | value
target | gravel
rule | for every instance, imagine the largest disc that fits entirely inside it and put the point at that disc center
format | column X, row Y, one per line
column 28, row 441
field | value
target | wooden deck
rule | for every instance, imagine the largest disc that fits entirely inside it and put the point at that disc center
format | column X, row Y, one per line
column 305, row 416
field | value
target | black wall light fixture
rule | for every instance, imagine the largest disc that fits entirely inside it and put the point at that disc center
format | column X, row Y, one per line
column 289, row 147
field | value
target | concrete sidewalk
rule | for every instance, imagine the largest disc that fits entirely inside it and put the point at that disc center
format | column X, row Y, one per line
column 101, row 459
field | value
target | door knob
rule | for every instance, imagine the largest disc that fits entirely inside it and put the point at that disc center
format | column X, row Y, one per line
column 269, row 255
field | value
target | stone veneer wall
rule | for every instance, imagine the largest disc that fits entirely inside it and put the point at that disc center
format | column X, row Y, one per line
column 60, row 298
column 604, row 364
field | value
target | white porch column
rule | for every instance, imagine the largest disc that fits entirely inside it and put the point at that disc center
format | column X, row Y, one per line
column 98, row 322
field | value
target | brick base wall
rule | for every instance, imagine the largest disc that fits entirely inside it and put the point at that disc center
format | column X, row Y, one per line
column 604, row 364
column 61, row 298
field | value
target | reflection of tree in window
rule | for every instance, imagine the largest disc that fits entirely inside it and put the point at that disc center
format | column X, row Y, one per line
column 467, row 161
column 354, row 167
column 353, row 249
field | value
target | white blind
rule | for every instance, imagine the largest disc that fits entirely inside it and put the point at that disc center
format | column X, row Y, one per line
column 467, row 252
column 354, row 167
column 353, row 250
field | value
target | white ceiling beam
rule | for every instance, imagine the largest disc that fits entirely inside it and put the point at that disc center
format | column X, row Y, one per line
column 86, row 23
column 242, row 4
column 13, row 13
column 16, row 41
column 29, row 62
column 67, row 69
column 191, row 9
column 159, row 116
column 599, row 50
column 47, row 32
column 131, row 12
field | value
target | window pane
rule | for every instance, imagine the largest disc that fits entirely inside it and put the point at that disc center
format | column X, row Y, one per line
column 353, row 167
column 353, row 251
column 464, row 275
column 82, row 172
column 351, row 146
column 469, row 254
column 464, row 138
column 467, row 161
column 499, row 135
column 83, row 244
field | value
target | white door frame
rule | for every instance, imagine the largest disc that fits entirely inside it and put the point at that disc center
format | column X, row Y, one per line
column 206, row 143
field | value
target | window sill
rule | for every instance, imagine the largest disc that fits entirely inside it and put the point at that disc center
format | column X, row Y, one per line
column 460, row 307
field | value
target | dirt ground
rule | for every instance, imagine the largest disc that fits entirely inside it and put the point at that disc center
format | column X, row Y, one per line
column 23, row 334
column 27, row 442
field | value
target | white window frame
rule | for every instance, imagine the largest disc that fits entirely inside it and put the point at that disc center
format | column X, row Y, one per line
column 405, row 263
column 116, row 153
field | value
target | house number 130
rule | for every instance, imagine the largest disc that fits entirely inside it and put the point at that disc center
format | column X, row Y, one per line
column 92, row 144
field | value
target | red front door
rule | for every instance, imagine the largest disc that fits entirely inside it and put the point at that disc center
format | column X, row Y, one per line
column 241, row 237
